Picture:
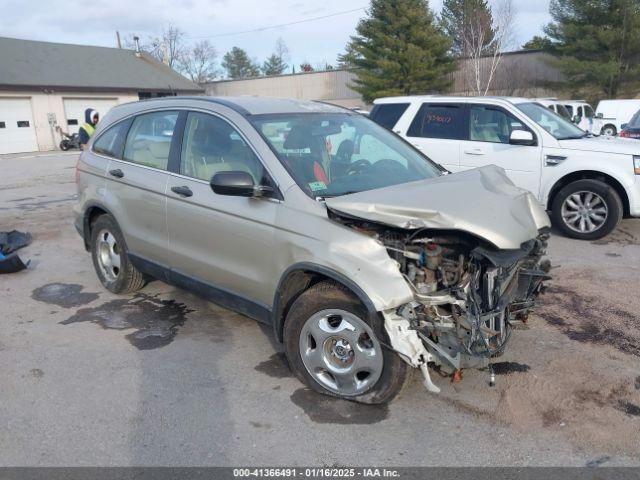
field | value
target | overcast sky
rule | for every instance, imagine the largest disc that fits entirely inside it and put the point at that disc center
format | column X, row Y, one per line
column 95, row 22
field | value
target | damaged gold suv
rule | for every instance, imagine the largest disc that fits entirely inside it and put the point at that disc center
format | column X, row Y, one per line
column 365, row 257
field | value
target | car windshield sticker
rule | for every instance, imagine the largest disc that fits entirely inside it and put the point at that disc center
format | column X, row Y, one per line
column 315, row 186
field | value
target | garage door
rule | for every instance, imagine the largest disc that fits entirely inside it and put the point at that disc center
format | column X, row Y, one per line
column 74, row 110
column 17, row 131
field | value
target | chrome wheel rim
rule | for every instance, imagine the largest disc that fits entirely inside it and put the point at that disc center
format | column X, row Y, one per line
column 584, row 212
column 108, row 255
column 341, row 352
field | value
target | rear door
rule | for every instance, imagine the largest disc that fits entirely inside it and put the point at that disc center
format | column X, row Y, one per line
column 436, row 130
column 136, row 185
column 225, row 242
column 489, row 129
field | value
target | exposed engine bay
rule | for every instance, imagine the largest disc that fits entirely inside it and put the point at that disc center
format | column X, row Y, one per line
column 468, row 294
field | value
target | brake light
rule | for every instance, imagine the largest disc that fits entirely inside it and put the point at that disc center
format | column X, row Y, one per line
column 624, row 133
column 636, row 164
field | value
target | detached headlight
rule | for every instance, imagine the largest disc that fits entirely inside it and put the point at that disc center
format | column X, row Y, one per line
column 636, row 164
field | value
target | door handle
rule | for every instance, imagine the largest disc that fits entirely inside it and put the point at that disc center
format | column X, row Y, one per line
column 116, row 173
column 183, row 191
column 474, row 151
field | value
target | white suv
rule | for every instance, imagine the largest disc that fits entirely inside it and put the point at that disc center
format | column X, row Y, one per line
column 588, row 183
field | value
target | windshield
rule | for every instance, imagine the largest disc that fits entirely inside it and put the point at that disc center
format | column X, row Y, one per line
column 553, row 123
column 635, row 121
column 332, row 154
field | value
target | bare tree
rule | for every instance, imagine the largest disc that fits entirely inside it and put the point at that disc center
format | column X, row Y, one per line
column 199, row 62
column 483, row 57
column 168, row 48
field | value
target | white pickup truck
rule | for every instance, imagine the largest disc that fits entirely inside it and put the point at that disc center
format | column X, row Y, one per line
column 588, row 183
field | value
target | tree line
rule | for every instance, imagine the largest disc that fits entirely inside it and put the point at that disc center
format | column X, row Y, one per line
column 402, row 47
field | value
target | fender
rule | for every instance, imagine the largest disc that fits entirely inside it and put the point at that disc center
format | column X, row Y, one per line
column 305, row 268
column 86, row 236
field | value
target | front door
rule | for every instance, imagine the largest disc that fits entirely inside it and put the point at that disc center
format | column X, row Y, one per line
column 490, row 128
column 225, row 242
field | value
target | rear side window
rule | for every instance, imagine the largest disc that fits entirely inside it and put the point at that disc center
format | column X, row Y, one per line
column 110, row 143
column 388, row 114
column 149, row 139
column 438, row 121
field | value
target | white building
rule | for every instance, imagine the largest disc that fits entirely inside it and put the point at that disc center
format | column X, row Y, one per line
column 44, row 85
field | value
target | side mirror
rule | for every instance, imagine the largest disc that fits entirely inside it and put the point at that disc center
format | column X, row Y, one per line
column 599, row 115
column 521, row 137
column 238, row 184
column 624, row 126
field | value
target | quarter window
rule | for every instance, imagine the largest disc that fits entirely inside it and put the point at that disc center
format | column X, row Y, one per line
column 149, row 139
column 488, row 124
column 388, row 114
column 438, row 121
column 110, row 143
column 210, row 145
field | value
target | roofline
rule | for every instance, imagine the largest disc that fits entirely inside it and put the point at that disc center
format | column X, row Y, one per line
column 98, row 89
column 63, row 43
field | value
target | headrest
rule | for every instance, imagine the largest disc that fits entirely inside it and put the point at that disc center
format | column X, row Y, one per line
column 298, row 139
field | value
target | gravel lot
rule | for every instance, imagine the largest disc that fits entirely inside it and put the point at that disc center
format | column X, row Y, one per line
column 165, row 378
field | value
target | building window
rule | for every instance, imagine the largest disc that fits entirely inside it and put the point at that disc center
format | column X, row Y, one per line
column 23, row 123
column 72, row 121
column 2, row 125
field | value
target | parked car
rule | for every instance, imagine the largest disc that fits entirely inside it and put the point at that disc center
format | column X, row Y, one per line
column 365, row 258
column 587, row 183
column 583, row 116
column 614, row 113
column 556, row 106
column 631, row 129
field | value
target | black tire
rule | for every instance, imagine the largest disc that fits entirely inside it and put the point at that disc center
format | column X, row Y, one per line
column 332, row 295
column 128, row 278
column 608, row 195
column 64, row 145
column 609, row 130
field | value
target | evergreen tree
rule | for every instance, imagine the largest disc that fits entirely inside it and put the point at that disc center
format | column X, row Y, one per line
column 276, row 63
column 461, row 19
column 597, row 45
column 399, row 50
column 238, row 64
column 537, row 43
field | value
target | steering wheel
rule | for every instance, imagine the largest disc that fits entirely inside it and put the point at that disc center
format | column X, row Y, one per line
column 388, row 166
column 358, row 166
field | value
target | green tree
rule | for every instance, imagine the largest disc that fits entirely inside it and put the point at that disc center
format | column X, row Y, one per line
column 538, row 43
column 597, row 45
column 238, row 64
column 462, row 20
column 276, row 63
column 399, row 49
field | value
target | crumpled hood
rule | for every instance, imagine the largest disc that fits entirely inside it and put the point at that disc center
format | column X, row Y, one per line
column 603, row 144
column 482, row 201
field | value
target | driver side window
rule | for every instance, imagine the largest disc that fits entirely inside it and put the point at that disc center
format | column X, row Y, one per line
column 493, row 125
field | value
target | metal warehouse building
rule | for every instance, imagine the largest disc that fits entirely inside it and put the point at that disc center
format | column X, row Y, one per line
column 44, row 85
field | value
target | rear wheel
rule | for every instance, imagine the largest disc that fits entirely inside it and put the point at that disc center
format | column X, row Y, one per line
column 333, row 348
column 587, row 209
column 609, row 130
column 110, row 260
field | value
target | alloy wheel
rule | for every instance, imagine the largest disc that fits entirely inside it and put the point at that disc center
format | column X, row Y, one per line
column 341, row 352
column 584, row 212
column 108, row 255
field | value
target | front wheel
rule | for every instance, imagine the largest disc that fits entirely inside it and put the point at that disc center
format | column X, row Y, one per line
column 333, row 348
column 587, row 209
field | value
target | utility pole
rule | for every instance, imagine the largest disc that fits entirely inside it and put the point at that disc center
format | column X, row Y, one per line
column 118, row 39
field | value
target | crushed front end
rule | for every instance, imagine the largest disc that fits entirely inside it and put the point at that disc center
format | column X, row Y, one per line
column 467, row 295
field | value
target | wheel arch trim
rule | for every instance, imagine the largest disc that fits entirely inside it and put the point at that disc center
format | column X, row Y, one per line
column 281, row 304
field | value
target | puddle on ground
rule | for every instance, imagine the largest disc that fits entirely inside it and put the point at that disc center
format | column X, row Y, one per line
column 628, row 408
column 324, row 409
column 66, row 295
column 619, row 236
column 155, row 322
column 277, row 366
column 598, row 461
